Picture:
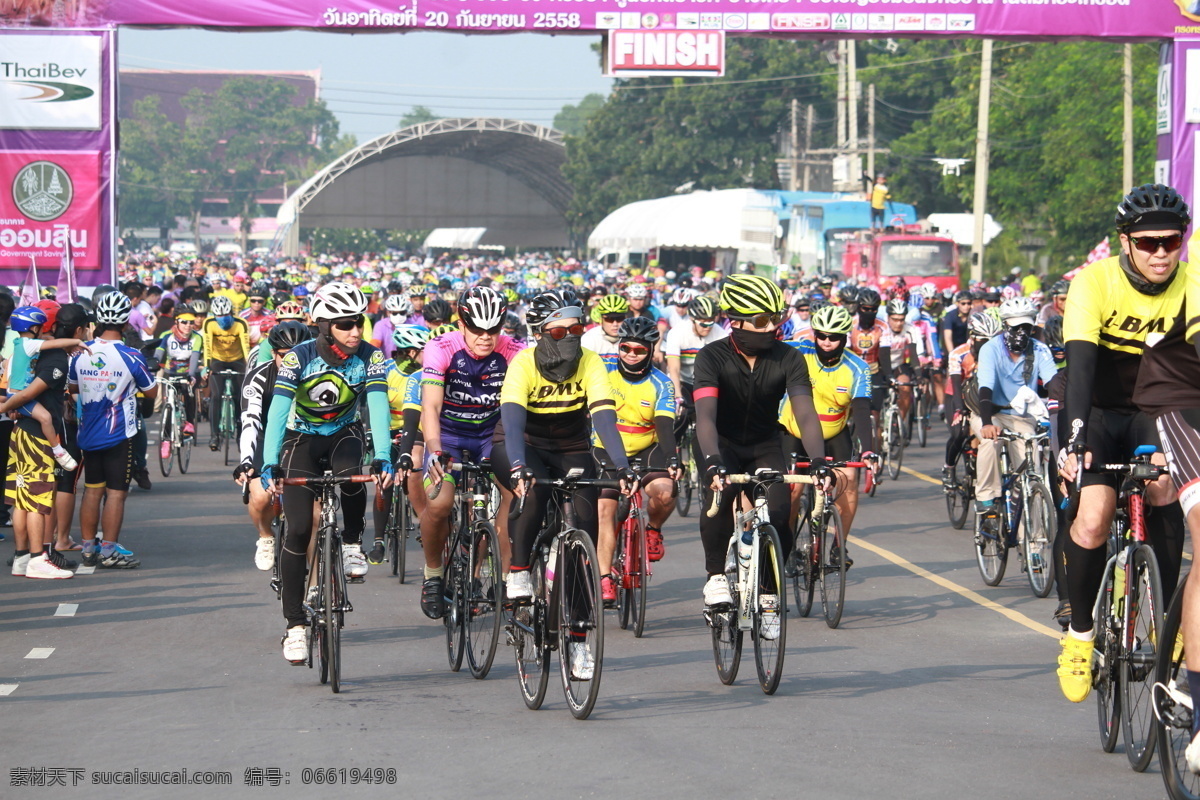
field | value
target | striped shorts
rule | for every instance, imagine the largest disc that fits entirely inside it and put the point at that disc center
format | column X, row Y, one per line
column 30, row 482
column 1181, row 444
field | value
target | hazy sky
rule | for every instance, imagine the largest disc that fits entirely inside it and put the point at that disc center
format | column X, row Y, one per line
column 371, row 80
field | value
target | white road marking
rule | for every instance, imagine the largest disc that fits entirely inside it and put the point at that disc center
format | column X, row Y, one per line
column 85, row 570
column 66, row 609
column 8, row 688
column 40, row 652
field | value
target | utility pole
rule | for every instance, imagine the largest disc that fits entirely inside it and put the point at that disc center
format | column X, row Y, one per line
column 852, row 109
column 1127, row 174
column 808, row 126
column 871, row 130
column 793, row 175
column 841, row 94
column 981, row 159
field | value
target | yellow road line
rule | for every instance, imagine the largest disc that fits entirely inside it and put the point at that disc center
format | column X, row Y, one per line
column 962, row 591
column 920, row 476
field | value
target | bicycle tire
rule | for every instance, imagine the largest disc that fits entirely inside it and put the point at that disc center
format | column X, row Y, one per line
column 726, row 636
column 635, row 581
column 186, row 443
column 1175, row 726
column 622, row 563
column 335, row 597
column 924, row 409
column 957, row 504
column 896, row 458
column 1144, row 611
column 483, row 602
column 318, row 621
column 454, row 617
column 769, row 653
column 580, row 575
column 804, row 579
column 683, row 496
column 164, row 438
column 1105, row 678
column 1038, row 530
column 991, row 556
column 531, row 643
column 833, row 571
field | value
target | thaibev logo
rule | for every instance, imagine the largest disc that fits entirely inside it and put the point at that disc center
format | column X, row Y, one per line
column 49, row 81
column 42, row 190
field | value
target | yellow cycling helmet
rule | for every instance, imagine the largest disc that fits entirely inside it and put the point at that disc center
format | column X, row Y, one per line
column 612, row 304
column 832, row 319
column 745, row 296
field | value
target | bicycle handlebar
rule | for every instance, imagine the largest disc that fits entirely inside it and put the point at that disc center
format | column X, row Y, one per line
column 834, row 464
column 767, row 477
column 321, row 481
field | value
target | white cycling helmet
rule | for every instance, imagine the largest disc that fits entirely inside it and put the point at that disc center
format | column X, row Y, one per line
column 681, row 296
column 113, row 309
column 637, row 291
column 221, row 306
column 337, row 300
column 1018, row 311
column 482, row 307
column 983, row 325
column 410, row 337
column 397, row 304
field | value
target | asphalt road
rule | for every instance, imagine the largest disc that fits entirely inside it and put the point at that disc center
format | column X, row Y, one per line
column 926, row 690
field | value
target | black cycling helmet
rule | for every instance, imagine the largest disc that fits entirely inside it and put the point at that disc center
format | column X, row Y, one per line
column 848, row 295
column 702, row 308
column 1060, row 286
column 1054, row 332
column 640, row 329
column 961, row 296
column 548, row 306
column 437, row 310
column 868, row 298
column 1152, row 206
column 288, row 334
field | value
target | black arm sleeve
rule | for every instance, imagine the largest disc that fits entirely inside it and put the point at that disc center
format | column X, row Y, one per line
column 958, row 404
column 1081, row 372
column 860, row 408
column 604, row 420
column 986, row 407
column 512, row 417
column 885, row 363
column 706, row 429
column 411, row 422
column 664, row 430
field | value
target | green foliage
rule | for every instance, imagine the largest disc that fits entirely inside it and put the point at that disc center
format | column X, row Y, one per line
column 572, row 119
column 361, row 240
column 417, row 115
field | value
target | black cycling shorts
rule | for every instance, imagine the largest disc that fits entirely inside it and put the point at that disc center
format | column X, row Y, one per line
column 1112, row 437
column 840, row 447
column 111, row 468
column 653, row 459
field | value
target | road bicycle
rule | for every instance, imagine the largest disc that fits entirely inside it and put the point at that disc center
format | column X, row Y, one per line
column 174, row 444
column 226, row 435
column 473, row 579
column 1128, row 615
column 566, row 608
column 959, row 485
column 1026, row 518
column 326, row 601
column 631, row 567
column 401, row 526
column 921, row 411
column 818, row 556
column 754, row 569
column 891, row 425
column 688, row 484
column 1174, row 707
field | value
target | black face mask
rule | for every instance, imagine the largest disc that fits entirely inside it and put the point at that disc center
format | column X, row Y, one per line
column 634, row 373
column 1017, row 339
column 828, row 359
column 752, row 343
column 558, row 360
column 866, row 319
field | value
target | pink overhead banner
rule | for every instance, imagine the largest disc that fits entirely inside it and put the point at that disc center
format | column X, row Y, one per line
column 1023, row 19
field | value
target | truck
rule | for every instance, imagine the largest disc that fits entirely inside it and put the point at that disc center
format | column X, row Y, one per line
column 917, row 254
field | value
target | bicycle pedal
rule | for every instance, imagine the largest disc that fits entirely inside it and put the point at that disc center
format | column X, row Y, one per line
column 355, row 579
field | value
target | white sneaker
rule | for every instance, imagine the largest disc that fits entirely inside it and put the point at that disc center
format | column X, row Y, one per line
column 1192, row 754
column 66, row 461
column 42, row 567
column 295, row 645
column 583, row 665
column 264, row 553
column 520, row 585
column 768, row 623
column 20, row 564
column 716, row 591
column 353, row 561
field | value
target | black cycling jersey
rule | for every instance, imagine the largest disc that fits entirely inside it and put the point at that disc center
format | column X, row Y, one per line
column 748, row 399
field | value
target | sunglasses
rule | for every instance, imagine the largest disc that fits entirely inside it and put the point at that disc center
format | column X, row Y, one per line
column 485, row 331
column 829, row 337
column 1150, row 244
column 868, row 309
column 347, row 324
column 257, row 300
column 763, row 320
column 634, row 349
column 706, row 323
column 558, row 334
column 185, row 322
column 614, row 317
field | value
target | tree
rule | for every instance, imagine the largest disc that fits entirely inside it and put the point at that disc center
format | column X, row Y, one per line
column 572, row 119
column 417, row 115
column 148, row 163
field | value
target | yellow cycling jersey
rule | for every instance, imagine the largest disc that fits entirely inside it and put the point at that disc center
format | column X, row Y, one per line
column 833, row 390
column 637, row 406
column 398, row 390
column 239, row 299
column 226, row 345
column 558, row 412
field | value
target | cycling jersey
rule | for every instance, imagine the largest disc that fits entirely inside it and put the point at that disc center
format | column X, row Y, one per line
column 961, row 361
column 180, row 357
column 748, row 399
column 684, row 344
column 1167, row 379
column 471, row 386
column 900, row 343
column 398, row 386
column 866, row 343
column 317, row 398
column 638, row 403
column 260, row 324
column 256, row 403
column 833, row 390
column 598, row 343
column 558, row 412
column 225, row 345
column 108, row 379
column 927, row 326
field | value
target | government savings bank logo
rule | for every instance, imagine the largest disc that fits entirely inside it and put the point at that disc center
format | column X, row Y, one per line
column 42, row 191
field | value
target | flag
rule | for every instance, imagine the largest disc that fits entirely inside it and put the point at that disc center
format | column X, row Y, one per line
column 1100, row 251
column 67, row 292
column 30, row 291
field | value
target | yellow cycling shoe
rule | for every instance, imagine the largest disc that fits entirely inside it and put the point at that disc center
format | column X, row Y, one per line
column 1075, row 668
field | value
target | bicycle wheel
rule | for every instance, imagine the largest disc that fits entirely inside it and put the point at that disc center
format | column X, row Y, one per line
column 990, row 553
column 165, row 454
column 683, row 499
column 924, row 403
column 1037, row 538
column 804, row 578
column 769, row 653
column 896, row 439
column 1175, row 710
column 580, row 620
column 483, row 599
column 833, row 567
column 635, row 573
column 317, row 618
column 1105, row 680
column 455, row 617
column 530, row 642
column 401, row 522
column 957, row 504
column 726, row 637
column 184, row 450
column 226, row 425
column 335, row 600
column 1143, row 627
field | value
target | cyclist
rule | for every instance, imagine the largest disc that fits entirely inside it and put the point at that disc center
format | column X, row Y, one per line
column 1009, row 369
column 1058, row 302
column 841, row 386
column 645, row 420
column 680, row 349
column 871, row 340
column 907, row 350
column 226, row 347
column 639, row 303
column 739, row 382
column 436, row 313
column 953, row 326
column 258, row 318
column 460, row 397
column 799, row 324
column 1115, row 312
column 543, row 433
column 677, row 314
column 398, row 309
column 285, row 311
column 179, row 353
column 964, row 390
column 612, row 309
column 256, row 403
column 312, row 425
